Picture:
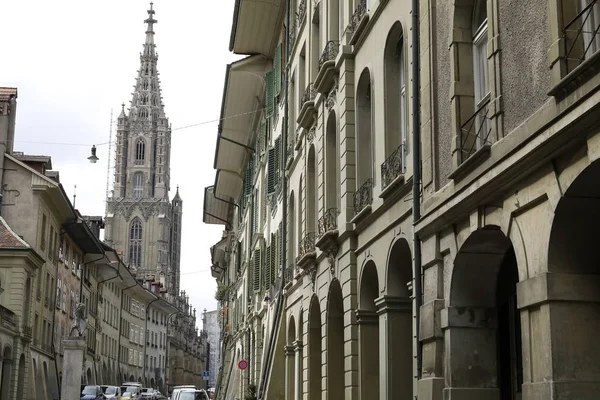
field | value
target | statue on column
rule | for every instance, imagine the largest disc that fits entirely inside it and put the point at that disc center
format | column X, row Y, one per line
column 79, row 323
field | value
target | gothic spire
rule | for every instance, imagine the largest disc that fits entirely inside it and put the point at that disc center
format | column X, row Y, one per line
column 146, row 104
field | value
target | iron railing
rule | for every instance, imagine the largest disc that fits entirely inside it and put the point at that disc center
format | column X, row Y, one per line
column 393, row 166
column 328, row 222
column 309, row 94
column 293, row 30
column 363, row 197
column 330, row 52
column 475, row 131
column 359, row 12
column 301, row 11
column 581, row 36
column 7, row 316
column 306, row 246
column 27, row 331
column 290, row 151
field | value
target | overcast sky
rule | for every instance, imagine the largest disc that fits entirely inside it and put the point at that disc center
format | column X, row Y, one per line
column 74, row 60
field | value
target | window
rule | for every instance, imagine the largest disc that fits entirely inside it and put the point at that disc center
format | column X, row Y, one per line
column 140, row 151
column 138, row 185
column 135, row 243
column 481, row 83
column 43, row 239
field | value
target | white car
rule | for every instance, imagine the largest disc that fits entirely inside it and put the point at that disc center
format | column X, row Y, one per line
column 191, row 394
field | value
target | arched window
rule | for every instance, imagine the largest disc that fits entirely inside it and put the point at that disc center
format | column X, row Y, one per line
column 140, row 151
column 138, row 185
column 481, row 84
column 135, row 243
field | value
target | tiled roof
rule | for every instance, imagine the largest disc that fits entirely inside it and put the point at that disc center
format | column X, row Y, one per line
column 8, row 238
column 7, row 92
column 32, row 158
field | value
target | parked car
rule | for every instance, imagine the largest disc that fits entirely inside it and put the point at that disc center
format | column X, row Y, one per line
column 149, row 394
column 131, row 391
column 178, row 389
column 92, row 392
column 111, row 392
column 192, row 394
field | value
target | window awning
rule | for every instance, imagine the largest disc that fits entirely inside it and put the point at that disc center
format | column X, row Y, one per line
column 243, row 96
column 217, row 211
column 256, row 26
column 218, row 254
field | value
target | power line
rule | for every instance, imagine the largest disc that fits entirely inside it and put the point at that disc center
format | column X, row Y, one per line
column 172, row 129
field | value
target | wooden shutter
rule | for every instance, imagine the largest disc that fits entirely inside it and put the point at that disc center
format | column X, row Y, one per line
column 273, row 260
column 277, row 161
column 250, row 281
column 267, row 267
column 270, row 81
column 249, row 177
column 277, row 68
column 255, row 206
column 238, row 257
column 271, row 170
column 256, row 274
column 280, row 245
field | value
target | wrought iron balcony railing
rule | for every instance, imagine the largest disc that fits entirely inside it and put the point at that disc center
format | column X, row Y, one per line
column 328, row 222
column 27, row 331
column 475, row 132
column 309, row 94
column 289, row 273
column 7, row 317
column 582, row 36
column 301, row 11
column 363, row 197
column 393, row 166
column 359, row 12
column 306, row 246
column 330, row 52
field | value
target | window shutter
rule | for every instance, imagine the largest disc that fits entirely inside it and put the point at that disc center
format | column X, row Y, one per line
column 267, row 267
column 273, row 259
column 277, row 160
column 239, row 256
column 254, row 213
column 250, row 281
column 264, row 204
column 270, row 80
column 256, row 274
column 271, row 171
column 263, row 135
column 248, row 177
column 280, row 242
column 277, row 67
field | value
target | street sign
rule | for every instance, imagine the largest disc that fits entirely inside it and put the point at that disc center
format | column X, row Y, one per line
column 243, row 364
column 206, row 374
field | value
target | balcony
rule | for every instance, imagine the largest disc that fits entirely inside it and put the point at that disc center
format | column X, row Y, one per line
column 363, row 198
column 289, row 154
column 307, row 111
column 327, row 229
column 325, row 77
column 289, row 275
column 306, row 252
column 357, row 22
column 392, row 170
column 27, row 332
column 7, row 318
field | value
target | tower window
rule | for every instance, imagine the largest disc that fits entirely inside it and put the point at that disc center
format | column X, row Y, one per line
column 135, row 243
column 138, row 185
column 140, row 151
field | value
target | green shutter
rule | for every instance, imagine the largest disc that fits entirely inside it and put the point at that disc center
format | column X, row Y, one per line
column 273, row 256
column 280, row 234
column 250, row 282
column 277, row 67
column 238, row 257
column 255, row 206
column 248, row 179
column 271, row 171
column 277, row 163
column 270, row 92
column 257, row 257
column 267, row 268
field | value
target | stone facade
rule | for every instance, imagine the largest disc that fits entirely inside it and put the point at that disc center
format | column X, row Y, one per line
column 508, row 139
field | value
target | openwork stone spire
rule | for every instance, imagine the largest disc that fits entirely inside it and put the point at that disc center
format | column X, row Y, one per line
column 147, row 105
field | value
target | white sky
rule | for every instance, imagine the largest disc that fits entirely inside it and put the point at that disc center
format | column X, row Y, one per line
column 74, row 60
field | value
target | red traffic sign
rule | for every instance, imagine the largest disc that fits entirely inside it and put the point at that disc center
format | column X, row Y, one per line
column 243, row 364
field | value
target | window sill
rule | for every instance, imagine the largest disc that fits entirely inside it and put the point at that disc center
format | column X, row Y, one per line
column 471, row 163
column 574, row 79
column 390, row 188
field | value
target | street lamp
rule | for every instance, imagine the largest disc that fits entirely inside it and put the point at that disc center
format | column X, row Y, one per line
column 93, row 158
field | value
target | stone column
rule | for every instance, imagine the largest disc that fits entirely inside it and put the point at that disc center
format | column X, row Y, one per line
column 70, row 387
column 298, row 370
column 368, row 354
column 289, row 372
column 395, row 348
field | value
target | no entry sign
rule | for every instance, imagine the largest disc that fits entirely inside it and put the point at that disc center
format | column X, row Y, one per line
column 243, row 364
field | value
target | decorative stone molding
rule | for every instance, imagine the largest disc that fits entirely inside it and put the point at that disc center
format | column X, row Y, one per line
column 289, row 351
column 386, row 304
column 298, row 345
column 366, row 317
column 331, row 253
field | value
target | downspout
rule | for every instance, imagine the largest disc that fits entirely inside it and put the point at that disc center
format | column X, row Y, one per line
column 416, row 209
column 121, row 327
column 278, row 313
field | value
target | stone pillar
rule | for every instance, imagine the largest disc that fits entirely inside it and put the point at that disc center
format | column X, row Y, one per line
column 70, row 387
column 395, row 348
column 290, row 378
column 298, row 370
column 368, row 354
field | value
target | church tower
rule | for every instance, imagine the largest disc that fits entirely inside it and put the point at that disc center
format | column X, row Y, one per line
column 141, row 222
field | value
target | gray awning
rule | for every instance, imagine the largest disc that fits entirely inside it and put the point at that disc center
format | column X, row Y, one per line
column 256, row 26
column 217, row 211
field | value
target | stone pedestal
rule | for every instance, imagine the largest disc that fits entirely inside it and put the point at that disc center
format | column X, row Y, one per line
column 70, row 388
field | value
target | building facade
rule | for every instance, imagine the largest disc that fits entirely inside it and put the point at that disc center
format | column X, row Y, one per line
column 506, row 148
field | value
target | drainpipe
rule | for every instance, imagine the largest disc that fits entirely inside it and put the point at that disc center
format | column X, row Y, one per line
column 279, row 311
column 416, row 209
